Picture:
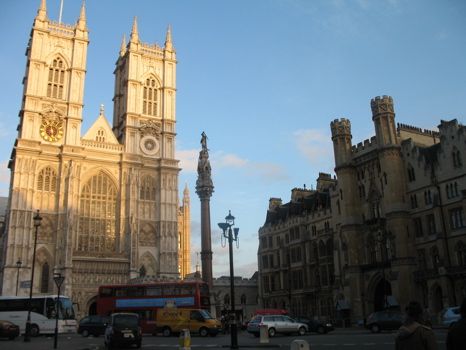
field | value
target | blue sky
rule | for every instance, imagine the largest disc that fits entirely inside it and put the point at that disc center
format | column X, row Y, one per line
column 263, row 79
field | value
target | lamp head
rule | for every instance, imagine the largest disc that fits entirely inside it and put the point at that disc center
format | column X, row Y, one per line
column 236, row 231
column 223, row 225
column 58, row 278
column 230, row 219
column 37, row 219
column 19, row 263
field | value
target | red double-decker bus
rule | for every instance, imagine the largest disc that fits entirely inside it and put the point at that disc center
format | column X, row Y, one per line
column 145, row 299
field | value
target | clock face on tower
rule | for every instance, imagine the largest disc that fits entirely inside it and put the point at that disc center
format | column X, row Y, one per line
column 149, row 145
column 51, row 129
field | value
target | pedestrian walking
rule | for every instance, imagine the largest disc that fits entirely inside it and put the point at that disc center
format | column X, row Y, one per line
column 413, row 334
column 456, row 338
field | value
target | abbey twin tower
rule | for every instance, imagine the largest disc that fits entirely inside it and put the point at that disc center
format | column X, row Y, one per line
column 108, row 198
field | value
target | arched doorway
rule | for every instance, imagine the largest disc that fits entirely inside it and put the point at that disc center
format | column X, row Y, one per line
column 93, row 308
column 382, row 290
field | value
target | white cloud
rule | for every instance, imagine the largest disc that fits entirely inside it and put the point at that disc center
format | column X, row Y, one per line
column 262, row 170
column 230, row 161
column 314, row 144
column 188, row 159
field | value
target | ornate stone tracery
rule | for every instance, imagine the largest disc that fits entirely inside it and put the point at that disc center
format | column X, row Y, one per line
column 150, row 127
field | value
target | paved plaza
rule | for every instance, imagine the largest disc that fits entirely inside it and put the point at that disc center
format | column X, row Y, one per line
column 348, row 339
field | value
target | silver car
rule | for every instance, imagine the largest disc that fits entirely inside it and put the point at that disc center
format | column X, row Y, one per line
column 450, row 315
column 276, row 324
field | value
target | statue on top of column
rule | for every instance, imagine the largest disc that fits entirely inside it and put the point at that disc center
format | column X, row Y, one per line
column 204, row 141
column 204, row 170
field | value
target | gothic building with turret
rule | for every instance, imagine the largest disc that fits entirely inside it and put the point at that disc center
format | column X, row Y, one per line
column 389, row 228
column 108, row 197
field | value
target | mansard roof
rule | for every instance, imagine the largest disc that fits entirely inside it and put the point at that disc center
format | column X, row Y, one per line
column 315, row 201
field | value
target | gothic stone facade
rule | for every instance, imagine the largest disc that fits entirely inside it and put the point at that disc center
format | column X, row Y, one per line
column 184, row 235
column 246, row 296
column 393, row 228
column 108, row 198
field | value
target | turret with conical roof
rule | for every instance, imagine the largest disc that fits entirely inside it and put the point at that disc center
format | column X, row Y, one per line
column 134, row 37
column 168, row 39
column 123, row 45
column 42, row 11
column 82, row 18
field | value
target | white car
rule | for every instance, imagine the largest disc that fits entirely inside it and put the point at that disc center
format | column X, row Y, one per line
column 276, row 324
column 450, row 315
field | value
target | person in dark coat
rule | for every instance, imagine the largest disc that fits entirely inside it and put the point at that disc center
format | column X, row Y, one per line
column 413, row 334
column 456, row 338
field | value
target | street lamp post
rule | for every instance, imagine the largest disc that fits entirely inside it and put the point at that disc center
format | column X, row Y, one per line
column 37, row 220
column 58, row 278
column 18, row 266
column 231, row 235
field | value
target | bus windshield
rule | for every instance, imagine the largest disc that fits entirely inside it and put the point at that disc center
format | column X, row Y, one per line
column 66, row 311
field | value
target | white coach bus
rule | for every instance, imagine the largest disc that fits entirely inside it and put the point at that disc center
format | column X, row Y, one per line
column 43, row 313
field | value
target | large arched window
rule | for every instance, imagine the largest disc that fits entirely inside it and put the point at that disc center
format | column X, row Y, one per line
column 371, row 250
column 456, row 157
column 47, row 180
column 97, row 216
column 461, row 253
column 56, row 79
column 322, row 250
column 44, row 280
column 411, row 173
column 434, row 253
column 147, row 189
column 149, row 97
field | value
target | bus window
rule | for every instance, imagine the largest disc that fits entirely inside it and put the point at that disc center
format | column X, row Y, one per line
column 121, row 292
column 204, row 289
column 186, row 290
column 37, row 305
column 135, row 291
column 154, row 290
column 50, row 308
column 168, row 290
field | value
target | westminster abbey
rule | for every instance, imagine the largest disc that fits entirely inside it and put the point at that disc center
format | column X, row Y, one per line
column 108, row 197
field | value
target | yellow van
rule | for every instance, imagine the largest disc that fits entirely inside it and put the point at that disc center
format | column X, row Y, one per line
column 174, row 320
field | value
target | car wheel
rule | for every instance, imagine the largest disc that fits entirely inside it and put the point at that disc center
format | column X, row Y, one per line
column 256, row 335
column 85, row 333
column 301, row 331
column 272, row 332
column 375, row 328
column 203, row 332
column 11, row 337
column 138, row 345
column 34, row 330
column 166, row 332
column 321, row 330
